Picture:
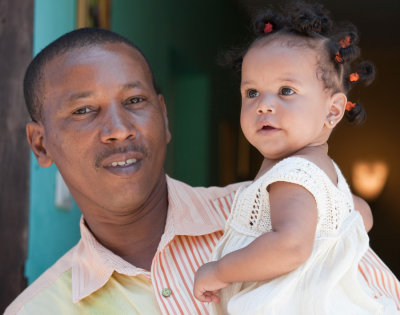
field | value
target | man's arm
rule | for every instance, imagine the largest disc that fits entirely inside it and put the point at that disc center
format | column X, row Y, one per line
column 365, row 210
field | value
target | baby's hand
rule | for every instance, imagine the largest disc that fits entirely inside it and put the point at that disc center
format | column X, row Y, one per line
column 207, row 284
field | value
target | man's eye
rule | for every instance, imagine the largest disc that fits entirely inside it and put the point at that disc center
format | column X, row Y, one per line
column 287, row 91
column 82, row 111
column 135, row 100
column 252, row 93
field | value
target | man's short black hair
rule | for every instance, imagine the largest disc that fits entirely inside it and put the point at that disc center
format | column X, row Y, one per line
column 83, row 37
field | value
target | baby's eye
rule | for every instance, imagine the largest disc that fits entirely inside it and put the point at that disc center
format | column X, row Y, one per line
column 286, row 91
column 82, row 111
column 252, row 93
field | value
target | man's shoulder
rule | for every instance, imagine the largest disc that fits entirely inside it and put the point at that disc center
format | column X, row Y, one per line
column 57, row 276
column 212, row 192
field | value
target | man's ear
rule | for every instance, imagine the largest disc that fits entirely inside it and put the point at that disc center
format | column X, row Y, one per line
column 35, row 134
column 164, row 109
column 336, row 109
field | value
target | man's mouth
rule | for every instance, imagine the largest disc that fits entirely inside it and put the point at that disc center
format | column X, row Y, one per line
column 123, row 163
column 121, row 157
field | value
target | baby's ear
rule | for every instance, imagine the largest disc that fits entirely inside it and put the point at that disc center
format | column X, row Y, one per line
column 35, row 136
column 336, row 109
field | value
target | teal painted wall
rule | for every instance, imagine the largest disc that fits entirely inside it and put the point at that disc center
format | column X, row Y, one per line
column 52, row 231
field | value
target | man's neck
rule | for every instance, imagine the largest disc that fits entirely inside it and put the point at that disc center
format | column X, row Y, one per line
column 135, row 236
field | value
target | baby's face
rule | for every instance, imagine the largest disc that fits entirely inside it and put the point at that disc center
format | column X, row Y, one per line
column 285, row 106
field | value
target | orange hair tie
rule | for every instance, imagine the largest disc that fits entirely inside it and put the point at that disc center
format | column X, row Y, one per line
column 350, row 106
column 345, row 42
column 268, row 28
column 338, row 58
column 354, row 77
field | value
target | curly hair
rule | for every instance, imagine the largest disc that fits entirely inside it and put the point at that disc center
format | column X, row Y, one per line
column 299, row 23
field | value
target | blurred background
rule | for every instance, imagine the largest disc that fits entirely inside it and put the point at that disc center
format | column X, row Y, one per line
column 182, row 40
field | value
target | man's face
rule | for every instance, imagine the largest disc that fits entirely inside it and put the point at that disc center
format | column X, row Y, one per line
column 103, row 125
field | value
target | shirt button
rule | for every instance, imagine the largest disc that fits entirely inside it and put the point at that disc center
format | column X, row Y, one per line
column 166, row 292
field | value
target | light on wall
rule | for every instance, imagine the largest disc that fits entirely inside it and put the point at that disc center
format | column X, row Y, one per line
column 369, row 178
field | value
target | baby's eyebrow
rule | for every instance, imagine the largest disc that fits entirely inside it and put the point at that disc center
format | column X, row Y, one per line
column 246, row 82
column 289, row 79
column 285, row 78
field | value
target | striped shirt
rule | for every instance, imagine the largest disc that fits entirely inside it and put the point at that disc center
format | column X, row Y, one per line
column 92, row 279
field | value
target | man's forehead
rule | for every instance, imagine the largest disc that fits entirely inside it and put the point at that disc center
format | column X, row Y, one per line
column 83, row 69
column 99, row 52
column 112, row 56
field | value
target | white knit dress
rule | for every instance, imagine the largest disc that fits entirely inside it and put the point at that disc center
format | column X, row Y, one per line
column 328, row 282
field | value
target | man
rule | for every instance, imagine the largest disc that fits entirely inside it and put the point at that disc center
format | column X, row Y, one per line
column 96, row 115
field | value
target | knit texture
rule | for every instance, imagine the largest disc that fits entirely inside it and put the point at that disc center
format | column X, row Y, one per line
column 327, row 283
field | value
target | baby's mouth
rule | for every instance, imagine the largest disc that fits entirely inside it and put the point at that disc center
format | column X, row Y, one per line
column 267, row 127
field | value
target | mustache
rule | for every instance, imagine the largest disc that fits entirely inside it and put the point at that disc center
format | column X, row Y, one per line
column 105, row 153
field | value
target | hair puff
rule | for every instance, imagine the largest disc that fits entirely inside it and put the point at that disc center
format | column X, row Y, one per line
column 309, row 19
column 356, row 115
column 267, row 17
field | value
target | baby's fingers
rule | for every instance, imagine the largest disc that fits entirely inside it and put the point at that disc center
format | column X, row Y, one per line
column 206, row 296
column 214, row 296
column 211, row 296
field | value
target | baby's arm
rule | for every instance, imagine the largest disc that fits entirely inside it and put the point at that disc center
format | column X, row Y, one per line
column 294, row 220
column 362, row 206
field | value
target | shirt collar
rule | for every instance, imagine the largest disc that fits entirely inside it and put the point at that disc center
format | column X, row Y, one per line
column 93, row 264
column 191, row 211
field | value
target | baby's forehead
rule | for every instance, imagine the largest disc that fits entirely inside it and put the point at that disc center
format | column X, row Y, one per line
column 288, row 40
column 285, row 51
column 313, row 49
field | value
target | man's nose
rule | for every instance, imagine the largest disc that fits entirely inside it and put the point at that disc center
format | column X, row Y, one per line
column 266, row 105
column 118, row 125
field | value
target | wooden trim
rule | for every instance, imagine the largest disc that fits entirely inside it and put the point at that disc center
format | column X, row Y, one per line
column 93, row 13
column 82, row 17
column 105, row 13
